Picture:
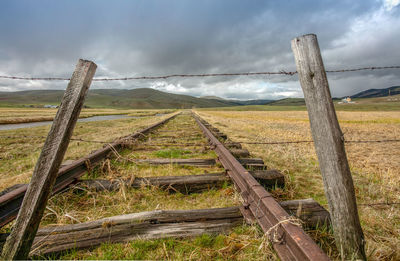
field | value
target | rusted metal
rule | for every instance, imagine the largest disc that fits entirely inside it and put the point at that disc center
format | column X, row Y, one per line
column 288, row 239
column 67, row 175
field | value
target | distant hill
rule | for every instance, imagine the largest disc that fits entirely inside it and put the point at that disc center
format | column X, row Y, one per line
column 141, row 98
column 213, row 98
column 373, row 93
column 239, row 102
column 255, row 102
column 288, row 102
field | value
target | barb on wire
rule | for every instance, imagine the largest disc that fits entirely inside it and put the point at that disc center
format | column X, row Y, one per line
column 163, row 77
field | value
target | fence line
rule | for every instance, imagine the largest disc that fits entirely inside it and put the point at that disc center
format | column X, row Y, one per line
column 282, row 72
column 243, row 142
column 126, row 141
column 310, row 141
column 378, row 204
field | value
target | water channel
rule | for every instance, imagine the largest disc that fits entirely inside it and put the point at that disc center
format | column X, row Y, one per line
column 43, row 123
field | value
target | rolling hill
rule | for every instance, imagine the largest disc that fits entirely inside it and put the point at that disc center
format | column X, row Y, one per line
column 239, row 102
column 288, row 102
column 143, row 98
column 374, row 93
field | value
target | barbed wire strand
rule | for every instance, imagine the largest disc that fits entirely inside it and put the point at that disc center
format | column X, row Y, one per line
column 124, row 141
column 310, row 141
column 282, row 72
column 379, row 204
column 129, row 141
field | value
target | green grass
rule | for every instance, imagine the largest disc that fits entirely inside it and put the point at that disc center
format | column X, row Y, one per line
column 243, row 243
column 171, row 153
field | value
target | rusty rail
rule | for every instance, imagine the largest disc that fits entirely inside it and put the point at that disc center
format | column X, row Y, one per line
column 10, row 202
column 288, row 239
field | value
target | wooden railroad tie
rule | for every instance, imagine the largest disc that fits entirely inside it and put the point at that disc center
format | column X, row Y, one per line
column 196, row 162
column 183, row 184
column 159, row 224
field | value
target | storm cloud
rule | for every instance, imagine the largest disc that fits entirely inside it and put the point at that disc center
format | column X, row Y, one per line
column 135, row 38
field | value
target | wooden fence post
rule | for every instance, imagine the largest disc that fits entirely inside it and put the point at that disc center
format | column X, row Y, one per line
column 329, row 145
column 20, row 240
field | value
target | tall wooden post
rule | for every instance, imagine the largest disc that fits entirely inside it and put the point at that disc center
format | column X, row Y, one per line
column 329, row 145
column 20, row 240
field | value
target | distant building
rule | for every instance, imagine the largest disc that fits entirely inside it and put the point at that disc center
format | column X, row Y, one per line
column 50, row 106
column 346, row 100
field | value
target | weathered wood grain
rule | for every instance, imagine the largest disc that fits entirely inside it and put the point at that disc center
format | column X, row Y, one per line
column 195, row 162
column 240, row 153
column 159, row 224
column 19, row 242
column 232, row 145
column 191, row 162
column 329, row 145
column 183, row 184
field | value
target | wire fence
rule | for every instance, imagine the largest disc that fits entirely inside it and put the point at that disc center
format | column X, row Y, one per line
column 163, row 77
column 310, row 141
column 124, row 141
column 378, row 204
column 129, row 141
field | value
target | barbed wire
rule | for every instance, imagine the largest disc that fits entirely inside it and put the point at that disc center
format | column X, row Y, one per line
column 379, row 204
column 129, row 141
column 124, row 141
column 310, row 141
column 282, row 72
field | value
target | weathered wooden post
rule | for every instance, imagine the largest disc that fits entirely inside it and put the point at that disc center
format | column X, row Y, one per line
column 329, row 145
column 19, row 242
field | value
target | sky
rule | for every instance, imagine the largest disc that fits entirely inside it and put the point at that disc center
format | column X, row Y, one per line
column 45, row 38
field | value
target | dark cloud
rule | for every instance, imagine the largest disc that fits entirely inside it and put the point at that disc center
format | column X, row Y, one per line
column 128, row 38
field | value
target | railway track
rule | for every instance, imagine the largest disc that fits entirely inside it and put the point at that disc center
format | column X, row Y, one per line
column 184, row 163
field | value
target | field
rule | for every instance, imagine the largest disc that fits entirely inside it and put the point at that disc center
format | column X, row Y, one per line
column 375, row 168
column 18, row 154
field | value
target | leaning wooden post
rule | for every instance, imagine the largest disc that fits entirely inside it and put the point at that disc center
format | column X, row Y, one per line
column 329, row 145
column 20, row 240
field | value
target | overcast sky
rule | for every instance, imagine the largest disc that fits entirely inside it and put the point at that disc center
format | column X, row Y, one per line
column 136, row 38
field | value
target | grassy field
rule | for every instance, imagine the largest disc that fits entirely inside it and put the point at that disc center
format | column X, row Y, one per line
column 93, row 205
column 375, row 166
column 18, row 155
column 243, row 243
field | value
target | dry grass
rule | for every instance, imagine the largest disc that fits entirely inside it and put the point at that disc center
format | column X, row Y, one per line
column 69, row 208
column 375, row 166
column 19, row 155
column 72, row 207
